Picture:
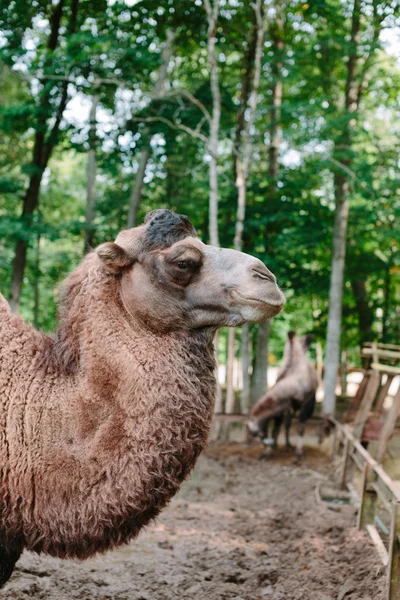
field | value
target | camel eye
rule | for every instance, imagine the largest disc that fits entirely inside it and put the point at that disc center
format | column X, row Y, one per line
column 183, row 265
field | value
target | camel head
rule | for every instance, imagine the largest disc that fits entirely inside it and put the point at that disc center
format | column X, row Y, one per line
column 170, row 280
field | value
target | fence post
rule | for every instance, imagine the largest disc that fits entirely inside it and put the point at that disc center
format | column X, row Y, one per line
column 343, row 373
column 393, row 587
column 366, row 515
column 343, row 474
column 334, row 443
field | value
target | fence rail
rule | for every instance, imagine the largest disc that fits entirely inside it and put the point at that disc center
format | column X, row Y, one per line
column 377, row 486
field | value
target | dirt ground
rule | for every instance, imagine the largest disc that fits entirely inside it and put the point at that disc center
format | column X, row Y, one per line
column 240, row 529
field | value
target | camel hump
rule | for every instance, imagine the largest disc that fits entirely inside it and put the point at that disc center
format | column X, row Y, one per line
column 4, row 306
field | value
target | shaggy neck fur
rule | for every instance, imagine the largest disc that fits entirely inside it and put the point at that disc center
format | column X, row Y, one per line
column 111, row 419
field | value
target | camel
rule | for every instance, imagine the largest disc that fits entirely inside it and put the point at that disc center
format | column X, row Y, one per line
column 294, row 390
column 101, row 423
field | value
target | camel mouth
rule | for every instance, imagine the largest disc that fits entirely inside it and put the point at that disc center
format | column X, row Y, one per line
column 275, row 304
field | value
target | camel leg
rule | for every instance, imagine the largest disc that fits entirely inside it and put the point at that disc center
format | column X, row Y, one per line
column 299, row 445
column 7, row 564
column 267, row 452
column 288, row 423
column 266, row 440
column 276, row 430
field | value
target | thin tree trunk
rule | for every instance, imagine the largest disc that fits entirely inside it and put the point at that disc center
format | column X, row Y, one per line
column 42, row 149
column 386, row 301
column 36, row 290
column 246, row 353
column 248, row 68
column 230, row 392
column 212, row 16
column 319, row 360
column 335, row 295
column 242, row 170
column 278, row 45
column 218, row 394
column 91, row 176
column 136, row 194
column 342, row 188
column 364, row 311
column 259, row 380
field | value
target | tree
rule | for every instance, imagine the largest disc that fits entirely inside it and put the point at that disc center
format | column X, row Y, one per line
column 91, row 175
column 343, row 160
column 243, row 155
column 136, row 194
column 48, row 116
column 212, row 17
column 259, row 381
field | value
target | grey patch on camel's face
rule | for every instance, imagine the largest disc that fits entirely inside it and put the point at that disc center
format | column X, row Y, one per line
column 165, row 228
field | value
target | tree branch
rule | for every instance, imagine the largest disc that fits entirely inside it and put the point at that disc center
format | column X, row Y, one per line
column 173, row 125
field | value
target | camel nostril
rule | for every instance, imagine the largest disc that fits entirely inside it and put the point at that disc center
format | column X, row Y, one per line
column 261, row 272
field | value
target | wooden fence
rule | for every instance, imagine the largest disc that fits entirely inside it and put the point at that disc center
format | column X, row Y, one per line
column 377, row 487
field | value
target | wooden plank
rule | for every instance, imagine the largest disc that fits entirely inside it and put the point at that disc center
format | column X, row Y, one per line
column 393, row 586
column 377, row 353
column 374, row 349
column 241, row 418
column 385, row 368
column 230, row 418
column 345, row 463
column 355, row 403
column 356, row 460
column 389, row 483
column 388, row 427
column 366, row 403
column 382, row 495
column 383, row 476
column 378, row 543
column 384, row 392
column 369, row 498
column 379, row 345
column 334, row 442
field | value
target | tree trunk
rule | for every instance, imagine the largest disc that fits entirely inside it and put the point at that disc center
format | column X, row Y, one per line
column 341, row 184
column 364, row 311
column 245, row 395
column 230, row 392
column 335, row 295
column 259, row 381
column 248, row 68
column 386, row 301
column 278, row 45
column 212, row 16
column 242, row 169
column 42, row 149
column 136, row 194
column 36, row 290
column 91, row 176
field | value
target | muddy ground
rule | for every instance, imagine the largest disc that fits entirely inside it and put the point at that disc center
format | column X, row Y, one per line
column 240, row 529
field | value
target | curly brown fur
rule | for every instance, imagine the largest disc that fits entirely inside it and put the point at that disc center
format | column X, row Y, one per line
column 123, row 433
column 100, row 425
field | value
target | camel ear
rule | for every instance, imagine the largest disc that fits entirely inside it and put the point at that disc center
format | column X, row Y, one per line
column 113, row 257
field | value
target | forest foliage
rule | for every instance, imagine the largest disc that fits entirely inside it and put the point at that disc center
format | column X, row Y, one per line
column 57, row 58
